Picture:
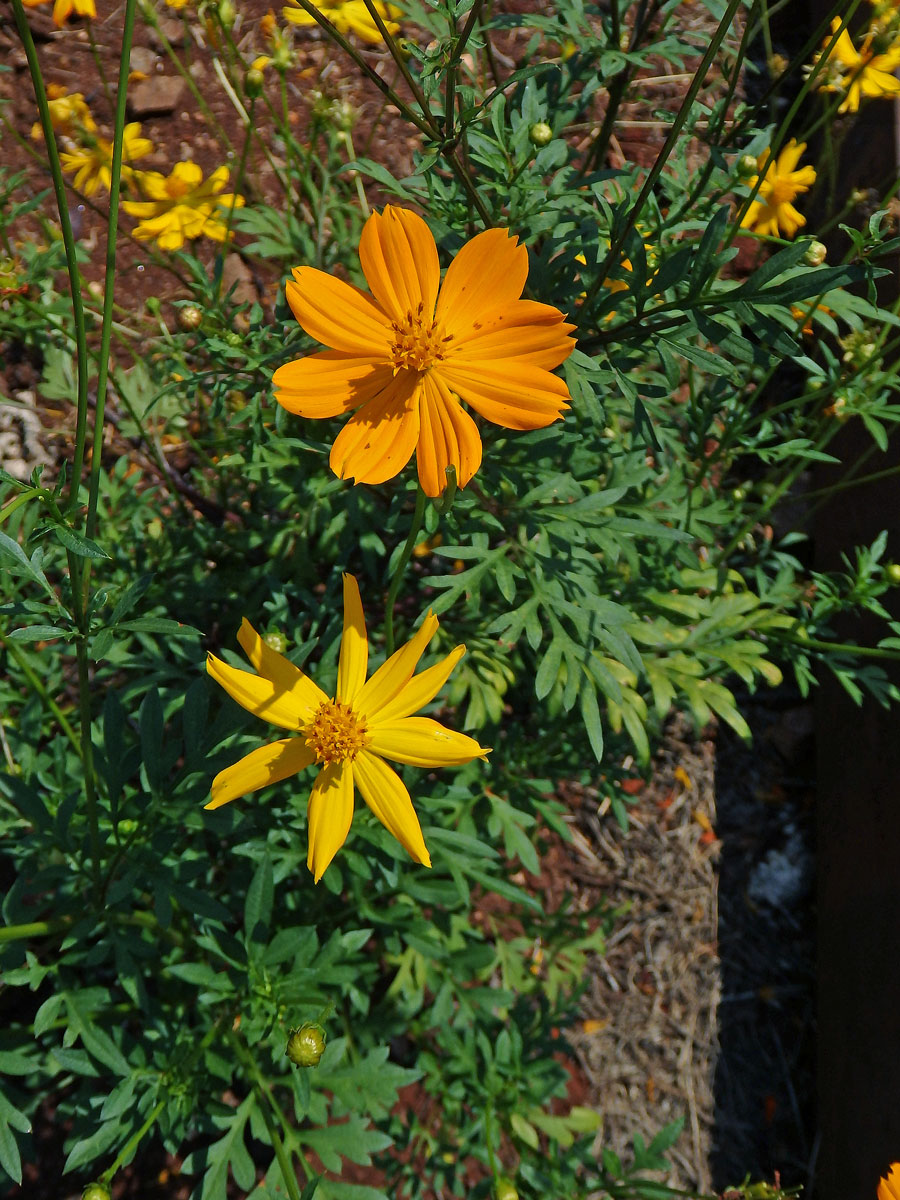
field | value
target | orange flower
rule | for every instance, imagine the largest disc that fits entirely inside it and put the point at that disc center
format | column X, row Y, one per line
column 889, row 1186
column 405, row 356
column 63, row 9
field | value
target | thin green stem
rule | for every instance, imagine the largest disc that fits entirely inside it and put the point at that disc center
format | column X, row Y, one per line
column 37, row 685
column 397, row 55
column 397, row 579
column 59, row 190
column 34, row 929
column 133, row 1142
column 454, row 64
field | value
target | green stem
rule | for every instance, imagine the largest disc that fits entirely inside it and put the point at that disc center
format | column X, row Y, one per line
column 36, row 683
column 397, row 579
column 34, row 929
column 288, row 1173
column 59, row 190
column 132, row 1144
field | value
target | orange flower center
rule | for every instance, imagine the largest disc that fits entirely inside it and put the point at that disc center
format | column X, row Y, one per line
column 783, row 192
column 176, row 188
column 417, row 343
column 335, row 733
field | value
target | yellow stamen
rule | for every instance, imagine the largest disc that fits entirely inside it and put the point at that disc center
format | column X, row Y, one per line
column 335, row 733
column 417, row 344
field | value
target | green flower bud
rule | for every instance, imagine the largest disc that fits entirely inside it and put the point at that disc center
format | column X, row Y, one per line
column 233, row 338
column 95, row 1191
column 815, row 254
column 227, row 13
column 505, row 1189
column 306, row 1045
column 747, row 166
column 190, row 318
column 540, row 133
column 276, row 640
column 892, row 573
column 254, row 82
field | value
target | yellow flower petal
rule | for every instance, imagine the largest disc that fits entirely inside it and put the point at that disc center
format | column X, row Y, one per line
column 378, row 440
column 508, row 392
column 258, row 696
column 447, row 437
column 338, row 314
column 400, row 262
column 421, row 689
column 889, row 1185
column 354, row 656
column 384, row 792
column 394, row 675
column 329, row 383
column 330, row 813
column 268, row 764
column 291, row 684
column 423, row 742
column 488, row 273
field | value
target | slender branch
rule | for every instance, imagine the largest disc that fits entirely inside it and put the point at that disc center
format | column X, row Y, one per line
column 394, row 589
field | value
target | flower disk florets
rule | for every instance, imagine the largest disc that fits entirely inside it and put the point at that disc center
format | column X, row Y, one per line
column 336, row 733
column 418, row 343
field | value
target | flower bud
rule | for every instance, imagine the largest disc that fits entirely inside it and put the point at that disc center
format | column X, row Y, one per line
column 190, row 318
column 276, row 640
column 95, row 1191
column 254, row 82
column 540, row 134
column 233, row 338
column 747, row 166
column 505, row 1189
column 815, row 254
column 892, row 573
column 306, row 1045
column 227, row 13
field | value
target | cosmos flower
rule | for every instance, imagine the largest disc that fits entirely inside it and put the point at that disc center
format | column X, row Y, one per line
column 181, row 205
column 63, row 9
column 92, row 160
column 889, row 1185
column 860, row 74
column 348, row 736
column 348, row 16
column 405, row 356
column 772, row 212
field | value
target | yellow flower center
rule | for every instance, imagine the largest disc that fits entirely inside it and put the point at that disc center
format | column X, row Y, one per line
column 417, row 343
column 176, row 188
column 335, row 733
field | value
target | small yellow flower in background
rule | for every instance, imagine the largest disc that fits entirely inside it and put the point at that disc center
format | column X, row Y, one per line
column 347, row 737
column 405, row 356
column 267, row 24
column 861, row 74
column 889, row 1185
column 772, row 212
column 181, row 206
column 178, row 4
column 92, row 161
column 69, row 114
column 348, row 16
column 63, row 9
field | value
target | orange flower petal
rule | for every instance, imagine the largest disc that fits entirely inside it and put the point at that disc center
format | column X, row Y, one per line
column 377, row 442
column 487, row 274
column 329, row 383
column 338, row 315
column 447, row 437
column 508, row 392
column 400, row 262
column 524, row 329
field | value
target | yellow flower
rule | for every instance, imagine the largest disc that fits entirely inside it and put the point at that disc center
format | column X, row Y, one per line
column 92, row 162
column 405, row 356
column 889, row 1185
column 772, row 211
column 348, row 16
column 69, row 114
column 181, row 206
column 179, row 4
column 63, row 9
column 861, row 74
column 349, row 736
